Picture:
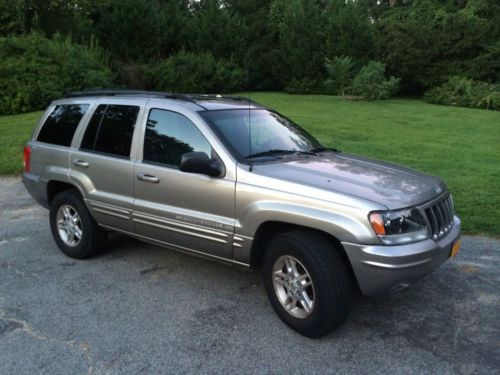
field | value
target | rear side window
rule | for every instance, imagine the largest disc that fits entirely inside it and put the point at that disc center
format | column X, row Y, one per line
column 61, row 124
column 110, row 130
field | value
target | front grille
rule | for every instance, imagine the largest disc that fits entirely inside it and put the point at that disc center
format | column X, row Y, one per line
column 440, row 216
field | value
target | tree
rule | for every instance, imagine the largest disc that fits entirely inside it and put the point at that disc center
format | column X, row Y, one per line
column 300, row 29
column 350, row 32
column 214, row 28
column 141, row 30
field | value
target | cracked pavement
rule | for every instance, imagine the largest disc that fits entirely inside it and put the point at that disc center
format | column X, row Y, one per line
column 139, row 308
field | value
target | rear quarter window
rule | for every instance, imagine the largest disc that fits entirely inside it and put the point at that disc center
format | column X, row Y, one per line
column 60, row 126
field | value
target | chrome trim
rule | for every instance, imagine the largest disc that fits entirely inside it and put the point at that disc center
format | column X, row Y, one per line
column 396, row 266
column 126, row 217
column 180, row 248
column 439, row 214
column 108, row 209
column 166, row 225
column 178, row 224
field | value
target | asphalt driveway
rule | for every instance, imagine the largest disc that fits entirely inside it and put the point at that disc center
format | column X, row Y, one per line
column 143, row 309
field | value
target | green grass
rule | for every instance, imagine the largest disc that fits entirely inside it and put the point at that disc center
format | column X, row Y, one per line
column 15, row 131
column 460, row 145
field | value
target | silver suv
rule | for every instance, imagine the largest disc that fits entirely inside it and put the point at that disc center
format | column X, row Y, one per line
column 230, row 180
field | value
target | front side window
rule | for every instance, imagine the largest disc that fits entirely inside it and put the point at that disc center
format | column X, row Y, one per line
column 110, row 130
column 169, row 135
column 61, row 124
column 267, row 132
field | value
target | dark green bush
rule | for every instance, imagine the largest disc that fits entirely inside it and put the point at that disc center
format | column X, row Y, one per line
column 340, row 72
column 371, row 84
column 34, row 70
column 464, row 92
column 197, row 73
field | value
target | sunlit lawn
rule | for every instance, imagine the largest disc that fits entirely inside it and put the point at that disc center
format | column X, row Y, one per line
column 458, row 144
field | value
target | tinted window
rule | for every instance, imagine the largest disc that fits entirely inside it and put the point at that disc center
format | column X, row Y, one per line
column 61, row 124
column 111, row 129
column 169, row 135
column 88, row 142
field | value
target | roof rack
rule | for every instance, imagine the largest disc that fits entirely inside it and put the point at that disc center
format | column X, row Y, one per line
column 157, row 94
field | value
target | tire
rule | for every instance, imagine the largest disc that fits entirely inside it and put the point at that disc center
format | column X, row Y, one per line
column 318, row 261
column 75, row 231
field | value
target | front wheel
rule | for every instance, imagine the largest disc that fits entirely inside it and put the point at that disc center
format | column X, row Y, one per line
column 307, row 282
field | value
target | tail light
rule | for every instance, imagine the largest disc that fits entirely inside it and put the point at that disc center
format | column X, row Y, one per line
column 27, row 158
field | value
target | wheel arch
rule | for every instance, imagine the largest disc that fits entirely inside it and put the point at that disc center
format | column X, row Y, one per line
column 55, row 187
column 269, row 229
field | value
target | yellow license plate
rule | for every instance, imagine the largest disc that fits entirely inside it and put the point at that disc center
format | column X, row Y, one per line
column 455, row 248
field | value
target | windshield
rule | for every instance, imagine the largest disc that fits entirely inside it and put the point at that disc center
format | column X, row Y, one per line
column 271, row 134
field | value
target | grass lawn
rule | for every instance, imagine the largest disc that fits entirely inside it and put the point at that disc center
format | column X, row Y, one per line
column 460, row 145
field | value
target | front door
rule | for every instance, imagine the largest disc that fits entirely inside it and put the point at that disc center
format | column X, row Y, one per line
column 187, row 211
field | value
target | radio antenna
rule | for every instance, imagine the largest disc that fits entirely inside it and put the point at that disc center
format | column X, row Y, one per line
column 250, row 164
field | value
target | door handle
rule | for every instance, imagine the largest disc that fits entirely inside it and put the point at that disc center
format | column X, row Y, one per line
column 148, row 178
column 81, row 163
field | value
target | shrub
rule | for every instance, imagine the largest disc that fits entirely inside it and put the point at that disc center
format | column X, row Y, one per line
column 371, row 83
column 34, row 70
column 464, row 92
column 196, row 73
column 340, row 74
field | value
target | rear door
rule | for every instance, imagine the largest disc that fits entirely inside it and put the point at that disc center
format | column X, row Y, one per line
column 187, row 211
column 103, row 166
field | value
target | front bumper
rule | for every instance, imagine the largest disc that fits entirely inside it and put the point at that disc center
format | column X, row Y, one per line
column 380, row 269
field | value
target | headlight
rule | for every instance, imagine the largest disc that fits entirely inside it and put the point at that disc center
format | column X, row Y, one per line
column 399, row 227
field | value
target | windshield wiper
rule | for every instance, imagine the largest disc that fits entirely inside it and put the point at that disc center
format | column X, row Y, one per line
column 276, row 152
column 321, row 149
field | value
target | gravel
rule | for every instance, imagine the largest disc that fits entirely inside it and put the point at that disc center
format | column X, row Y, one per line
column 139, row 308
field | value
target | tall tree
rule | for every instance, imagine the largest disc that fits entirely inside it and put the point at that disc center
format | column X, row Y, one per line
column 350, row 31
column 300, row 27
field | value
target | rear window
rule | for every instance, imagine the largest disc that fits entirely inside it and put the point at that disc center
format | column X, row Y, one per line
column 110, row 130
column 61, row 124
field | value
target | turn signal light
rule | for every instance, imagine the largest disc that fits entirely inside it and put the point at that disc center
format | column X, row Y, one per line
column 377, row 223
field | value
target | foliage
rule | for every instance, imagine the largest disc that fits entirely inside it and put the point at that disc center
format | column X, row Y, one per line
column 197, row 73
column 464, row 92
column 427, row 41
column 371, row 83
column 34, row 70
column 299, row 29
column 215, row 29
column 139, row 30
column 350, row 32
column 278, row 44
column 340, row 74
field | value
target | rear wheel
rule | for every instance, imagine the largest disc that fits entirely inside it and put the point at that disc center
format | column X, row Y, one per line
column 75, row 231
column 307, row 282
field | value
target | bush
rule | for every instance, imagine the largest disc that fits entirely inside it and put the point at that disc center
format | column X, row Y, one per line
column 371, row 83
column 197, row 73
column 340, row 73
column 464, row 92
column 35, row 70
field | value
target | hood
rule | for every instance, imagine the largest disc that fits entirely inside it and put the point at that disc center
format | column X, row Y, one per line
column 388, row 184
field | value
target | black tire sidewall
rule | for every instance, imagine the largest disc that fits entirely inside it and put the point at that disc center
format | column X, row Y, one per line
column 84, row 249
column 323, row 318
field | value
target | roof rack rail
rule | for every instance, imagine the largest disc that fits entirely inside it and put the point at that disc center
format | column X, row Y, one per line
column 158, row 94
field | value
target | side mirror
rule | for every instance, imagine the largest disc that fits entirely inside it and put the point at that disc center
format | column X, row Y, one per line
column 199, row 162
